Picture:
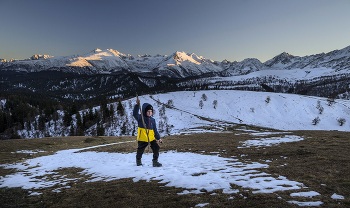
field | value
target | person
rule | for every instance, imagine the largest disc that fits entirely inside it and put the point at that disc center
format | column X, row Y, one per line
column 150, row 129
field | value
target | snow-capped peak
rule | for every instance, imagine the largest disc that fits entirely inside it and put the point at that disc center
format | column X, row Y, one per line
column 285, row 54
column 185, row 57
column 280, row 60
column 225, row 61
column 37, row 57
column 179, row 64
column 97, row 50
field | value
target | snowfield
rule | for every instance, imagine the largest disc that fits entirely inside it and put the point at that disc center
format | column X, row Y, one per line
column 270, row 110
column 184, row 115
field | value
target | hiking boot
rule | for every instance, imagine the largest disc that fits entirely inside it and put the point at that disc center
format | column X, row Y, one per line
column 156, row 163
column 138, row 162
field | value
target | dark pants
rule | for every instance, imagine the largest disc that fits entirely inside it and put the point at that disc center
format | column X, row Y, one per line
column 141, row 147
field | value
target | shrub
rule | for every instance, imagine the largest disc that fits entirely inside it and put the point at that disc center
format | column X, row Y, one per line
column 170, row 103
column 341, row 121
column 316, row 120
column 120, row 109
column 204, row 97
column 162, row 111
column 201, row 104
column 215, row 103
column 319, row 107
column 330, row 101
column 268, row 99
column 100, row 129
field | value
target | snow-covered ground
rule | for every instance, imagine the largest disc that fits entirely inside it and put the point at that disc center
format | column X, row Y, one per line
column 288, row 75
column 270, row 110
column 197, row 173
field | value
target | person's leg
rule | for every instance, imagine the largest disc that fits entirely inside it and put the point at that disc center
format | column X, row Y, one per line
column 155, row 149
column 140, row 149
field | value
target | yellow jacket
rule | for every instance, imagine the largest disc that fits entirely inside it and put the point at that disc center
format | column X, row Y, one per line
column 150, row 123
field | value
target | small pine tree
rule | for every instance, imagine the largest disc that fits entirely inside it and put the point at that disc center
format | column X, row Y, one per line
column 111, row 112
column 130, row 104
column 133, row 130
column 162, row 111
column 170, row 103
column 91, row 114
column 72, row 130
column 123, row 128
column 14, row 134
column 120, row 109
column 319, row 107
column 215, row 104
column 341, row 121
column 100, row 129
column 74, row 108
column 316, row 120
column 79, row 121
column 330, row 101
column 167, row 129
column 41, row 123
column 67, row 118
column 201, row 104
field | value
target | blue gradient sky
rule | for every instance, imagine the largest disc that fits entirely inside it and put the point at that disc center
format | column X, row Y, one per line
column 215, row 29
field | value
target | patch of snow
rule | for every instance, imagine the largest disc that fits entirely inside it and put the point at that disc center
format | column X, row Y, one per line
column 34, row 193
column 336, row 196
column 309, row 194
column 260, row 142
column 179, row 170
column 202, row 205
column 2, row 103
column 28, row 151
column 306, row 204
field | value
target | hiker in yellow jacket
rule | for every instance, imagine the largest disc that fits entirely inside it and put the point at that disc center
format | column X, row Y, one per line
column 150, row 129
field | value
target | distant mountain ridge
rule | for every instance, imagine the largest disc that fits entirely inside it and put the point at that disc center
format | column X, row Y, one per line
column 176, row 65
column 337, row 59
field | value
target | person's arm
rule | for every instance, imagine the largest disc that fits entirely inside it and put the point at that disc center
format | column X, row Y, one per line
column 136, row 110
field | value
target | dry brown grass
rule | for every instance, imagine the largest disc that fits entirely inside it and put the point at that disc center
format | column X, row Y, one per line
column 321, row 158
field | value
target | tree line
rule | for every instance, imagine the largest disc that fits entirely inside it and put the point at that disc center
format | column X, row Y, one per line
column 22, row 111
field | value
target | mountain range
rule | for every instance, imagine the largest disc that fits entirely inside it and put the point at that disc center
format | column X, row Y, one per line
column 102, row 74
column 177, row 65
column 32, row 89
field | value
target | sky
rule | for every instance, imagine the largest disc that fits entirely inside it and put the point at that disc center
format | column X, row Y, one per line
column 214, row 29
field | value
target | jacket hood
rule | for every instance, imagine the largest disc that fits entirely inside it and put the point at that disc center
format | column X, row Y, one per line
column 144, row 108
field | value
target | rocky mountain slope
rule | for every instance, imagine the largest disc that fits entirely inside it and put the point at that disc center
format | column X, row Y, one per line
column 176, row 65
